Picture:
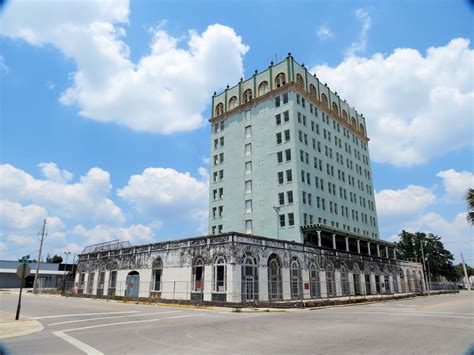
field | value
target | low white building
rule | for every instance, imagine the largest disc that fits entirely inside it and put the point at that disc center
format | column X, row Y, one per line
column 234, row 267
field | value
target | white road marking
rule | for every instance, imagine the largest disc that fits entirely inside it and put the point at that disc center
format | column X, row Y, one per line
column 89, row 349
column 414, row 311
column 410, row 314
column 132, row 322
column 100, row 318
column 81, row 314
column 78, row 344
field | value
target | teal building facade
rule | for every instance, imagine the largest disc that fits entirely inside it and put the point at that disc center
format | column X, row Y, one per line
column 289, row 157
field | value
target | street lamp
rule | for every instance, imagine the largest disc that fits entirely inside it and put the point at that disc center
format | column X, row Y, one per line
column 277, row 211
column 67, row 253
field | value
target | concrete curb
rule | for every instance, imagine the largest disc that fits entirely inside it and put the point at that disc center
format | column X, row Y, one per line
column 9, row 327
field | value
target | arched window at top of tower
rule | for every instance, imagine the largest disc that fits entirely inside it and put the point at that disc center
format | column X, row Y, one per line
column 219, row 109
column 312, row 91
column 324, row 100
column 280, row 80
column 335, row 109
column 353, row 122
column 299, row 80
column 344, row 116
column 247, row 95
column 263, row 88
column 233, row 102
column 362, row 129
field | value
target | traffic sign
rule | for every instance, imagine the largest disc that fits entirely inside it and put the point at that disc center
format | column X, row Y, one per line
column 21, row 273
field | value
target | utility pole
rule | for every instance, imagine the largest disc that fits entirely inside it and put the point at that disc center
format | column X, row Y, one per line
column 277, row 211
column 468, row 283
column 35, row 282
column 424, row 267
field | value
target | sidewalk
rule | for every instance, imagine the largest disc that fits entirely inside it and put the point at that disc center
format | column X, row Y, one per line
column 9, row 327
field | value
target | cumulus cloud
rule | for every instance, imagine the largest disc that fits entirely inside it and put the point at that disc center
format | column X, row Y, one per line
column 456, row 184
column 83, row 200
column 324, row 32
column 404, row 201
column 417, row 107
column 361, row 44
column 165, row 91
column 166, row 193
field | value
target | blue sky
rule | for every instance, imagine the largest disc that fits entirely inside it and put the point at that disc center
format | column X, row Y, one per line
column 104, row 109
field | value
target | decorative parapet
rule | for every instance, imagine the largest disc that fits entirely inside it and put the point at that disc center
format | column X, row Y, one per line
column 285, row 76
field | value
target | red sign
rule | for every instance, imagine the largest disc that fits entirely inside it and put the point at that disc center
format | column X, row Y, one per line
column 306, row 285
column 132, row 285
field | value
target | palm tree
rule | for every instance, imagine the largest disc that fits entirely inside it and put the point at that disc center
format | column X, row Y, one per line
column 470, row 205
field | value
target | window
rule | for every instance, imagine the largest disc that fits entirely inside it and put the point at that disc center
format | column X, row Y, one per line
column 289, row 196
column 216, row 143
column 288, row 154
column 278, row 119
column 232, row 102
column 221, row 158
column 277, row 101
column 282, row 220
column 285, row 98
column 274, row 278
column 112, row 283
column 157, row 271
column 295, row 279
column 287, row 135
column 219, row 109
column 248, row 206
column 248, row 226
column 221, row 192
column 286, row 116
column 90, row 283
column 281, row 198
column 221, row 140
column 248, row 186
column 248, row 167
column 263, row 88
column 247, row 95
column 248, row 149
column 289, row 176
column 278, row 138
column 248, row 131
column 219, row 275
column 219, row 228
column 280, row 80
column 280, row 177
column 221, row 174
column 221, row 211
column 280, row 157
column 291, row 219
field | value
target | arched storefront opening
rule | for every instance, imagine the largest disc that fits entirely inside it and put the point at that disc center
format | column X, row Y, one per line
column 249, row 279
column 330, row 281
column 295, row 279
column 314, row 288
column 344, row 281
column 274, row 278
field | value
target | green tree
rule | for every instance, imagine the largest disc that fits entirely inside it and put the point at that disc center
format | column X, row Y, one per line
column 470, row 206
column 56, row 259
column 439, row 261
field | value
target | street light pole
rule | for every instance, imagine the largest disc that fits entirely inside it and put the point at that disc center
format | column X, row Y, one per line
column 424, row 267
column 277, row 211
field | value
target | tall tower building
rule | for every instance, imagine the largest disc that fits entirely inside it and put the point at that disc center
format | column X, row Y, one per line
column 289, row 156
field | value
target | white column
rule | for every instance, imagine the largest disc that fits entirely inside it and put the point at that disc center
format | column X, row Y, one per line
column 351, row 283
column 337, row 277
column 334, row 241
column 207, row 284
column 368, row 248
column 386, row 252
column 395, row 253
column 263, row 283
column 234, row 283
column 319, row 238
column 347, row 243
column 305, row 280
column 373, row 287
column 378, row 250
column 358, row 246
column 285, row 278
column 322, row 284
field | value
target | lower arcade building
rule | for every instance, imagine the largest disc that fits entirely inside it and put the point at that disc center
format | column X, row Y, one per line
column 235, row 267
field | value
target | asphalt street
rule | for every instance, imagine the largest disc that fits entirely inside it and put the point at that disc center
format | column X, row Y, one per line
column 442, row 324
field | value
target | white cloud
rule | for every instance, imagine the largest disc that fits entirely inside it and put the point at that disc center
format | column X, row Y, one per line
column 166, row 193
column 3, row 65
column 456, row 184
column 417, row 107
column 136, row 234
column 53, row 173
column 165, row 91
column 86, row 199
column 3, row 247
column 412, row 199
column 324, row 32
column 361, row 44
